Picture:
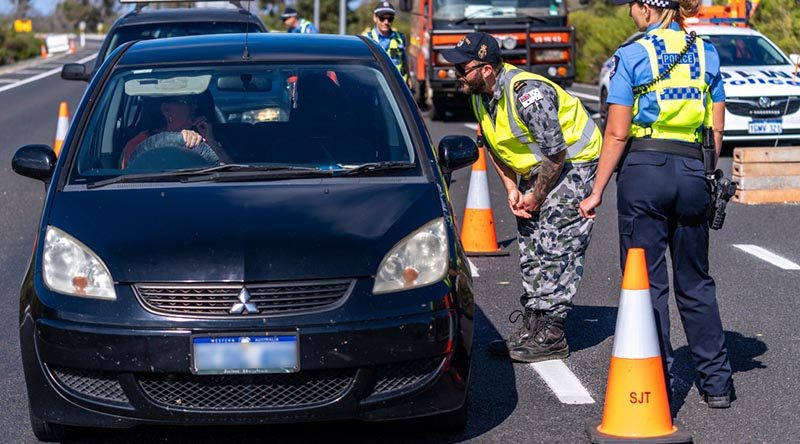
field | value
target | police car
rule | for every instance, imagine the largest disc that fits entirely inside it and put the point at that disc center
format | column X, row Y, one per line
column 762, row 85
column 145, row 23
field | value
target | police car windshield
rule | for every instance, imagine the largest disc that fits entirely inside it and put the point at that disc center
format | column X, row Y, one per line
column 745, row 50
column 149, row 31
column 477, row 9
column 332, row 117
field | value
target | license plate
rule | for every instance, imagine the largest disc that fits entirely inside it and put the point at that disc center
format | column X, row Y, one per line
column 245, row 354
column 765, row 127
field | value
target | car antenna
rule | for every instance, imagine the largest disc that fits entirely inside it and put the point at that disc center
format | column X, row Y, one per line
column 246, row 54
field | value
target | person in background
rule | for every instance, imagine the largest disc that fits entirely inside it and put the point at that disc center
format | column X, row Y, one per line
column 295, row 24
column 393, row 42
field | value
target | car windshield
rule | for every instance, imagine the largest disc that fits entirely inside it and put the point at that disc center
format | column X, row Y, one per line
column 269, row 116
column 149, row 31
column 459, row 9
column 745, row 50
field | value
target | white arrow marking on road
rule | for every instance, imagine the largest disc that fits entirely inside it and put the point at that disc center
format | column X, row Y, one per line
column 43, row 75
column 473, row 269
column 768, row 256
column 563, row 382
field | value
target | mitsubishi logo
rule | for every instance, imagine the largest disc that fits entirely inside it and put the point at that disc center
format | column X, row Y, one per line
column 764, row 102
column 244, row 306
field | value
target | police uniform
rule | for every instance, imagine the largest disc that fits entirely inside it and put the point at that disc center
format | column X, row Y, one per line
column 394, row 44
column 528, row 117
column 662, row 192
column 303, row 26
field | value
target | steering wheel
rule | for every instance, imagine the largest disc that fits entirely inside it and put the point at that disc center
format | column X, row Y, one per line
column 167, row 151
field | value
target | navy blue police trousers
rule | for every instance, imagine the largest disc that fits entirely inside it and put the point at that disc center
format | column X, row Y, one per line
column 662, row 201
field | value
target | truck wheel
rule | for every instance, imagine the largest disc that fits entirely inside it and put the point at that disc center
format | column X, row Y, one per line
column 47, row 431
column 419, row 93
column 438, row 109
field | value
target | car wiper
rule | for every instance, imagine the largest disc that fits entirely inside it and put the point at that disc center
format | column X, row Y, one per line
column 202, row 174
column 532, row 17
column 477, row 14
column 237, row 172
column 375, row 166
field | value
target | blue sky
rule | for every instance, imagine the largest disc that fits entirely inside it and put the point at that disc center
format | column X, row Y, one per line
column 43, row 6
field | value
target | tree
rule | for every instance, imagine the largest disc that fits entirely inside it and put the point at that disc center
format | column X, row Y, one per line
column 779, row 20
column 21, row 8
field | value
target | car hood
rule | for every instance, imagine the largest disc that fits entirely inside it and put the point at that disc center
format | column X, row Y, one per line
column 756, row 81
column 234, row 233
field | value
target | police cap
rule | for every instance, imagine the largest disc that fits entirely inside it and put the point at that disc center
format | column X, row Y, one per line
column 478, row 46
column 288, row 13
column 666, row 4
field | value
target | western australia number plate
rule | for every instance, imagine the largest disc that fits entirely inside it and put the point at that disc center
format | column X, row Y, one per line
column 765, row 127
column 246, row 354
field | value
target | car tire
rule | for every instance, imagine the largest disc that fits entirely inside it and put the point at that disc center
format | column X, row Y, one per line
column 47, row 431
column 450, row 422
column 603, row 109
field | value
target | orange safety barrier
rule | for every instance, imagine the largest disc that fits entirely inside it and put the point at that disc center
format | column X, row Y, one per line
column 636, row 405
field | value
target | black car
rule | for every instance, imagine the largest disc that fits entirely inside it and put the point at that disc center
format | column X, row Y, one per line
column 146, row 24
column 299, row 262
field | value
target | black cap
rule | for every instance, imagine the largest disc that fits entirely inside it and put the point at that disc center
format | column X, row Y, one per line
column 384, row 8
column 478, row 46
column 288, row 13
column 666, row 4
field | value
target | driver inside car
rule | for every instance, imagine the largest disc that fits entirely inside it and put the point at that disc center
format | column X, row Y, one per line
column 179, row 117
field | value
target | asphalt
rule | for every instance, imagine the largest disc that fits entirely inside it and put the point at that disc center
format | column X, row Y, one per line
column 508, row 403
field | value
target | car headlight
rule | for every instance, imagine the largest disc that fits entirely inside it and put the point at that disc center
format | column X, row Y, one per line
column 69, row 267
column 419, row 259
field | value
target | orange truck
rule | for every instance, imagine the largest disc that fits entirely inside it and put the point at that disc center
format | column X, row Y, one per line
column 533, row 34
column 735, row 13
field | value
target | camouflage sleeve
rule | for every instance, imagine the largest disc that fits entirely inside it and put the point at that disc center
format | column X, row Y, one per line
column 537, row 106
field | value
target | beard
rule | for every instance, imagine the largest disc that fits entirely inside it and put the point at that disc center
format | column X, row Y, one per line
column 475, row 86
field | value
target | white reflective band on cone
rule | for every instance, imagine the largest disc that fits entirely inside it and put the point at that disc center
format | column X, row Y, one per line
column 478, row 197
column 635, row 336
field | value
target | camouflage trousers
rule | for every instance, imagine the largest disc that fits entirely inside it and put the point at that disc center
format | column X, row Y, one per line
column 552, row 244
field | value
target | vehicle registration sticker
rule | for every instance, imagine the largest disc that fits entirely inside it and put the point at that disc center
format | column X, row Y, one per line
column 765, row 127
column 245, row 354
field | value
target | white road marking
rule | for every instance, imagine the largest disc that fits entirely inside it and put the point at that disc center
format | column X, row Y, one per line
column 472, row 126
column 563, row 382
column 473, row 269
column 584, row 96
column 43, row 75
column 768, row 256
column 8, row 80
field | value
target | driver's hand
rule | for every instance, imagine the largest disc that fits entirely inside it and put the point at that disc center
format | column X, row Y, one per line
column 192, row 138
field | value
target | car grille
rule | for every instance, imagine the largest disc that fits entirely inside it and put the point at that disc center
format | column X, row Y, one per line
column 91, row 384
column 269, row 298
column 403, row 375
column 268, row 391
column 772, row 107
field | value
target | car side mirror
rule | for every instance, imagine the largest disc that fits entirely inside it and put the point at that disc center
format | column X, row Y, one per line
column 457, row 152
column 75, row 71
column 34, row 161
column 405, row 5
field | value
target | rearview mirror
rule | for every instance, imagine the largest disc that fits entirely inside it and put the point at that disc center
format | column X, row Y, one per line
column 246, row 82
column 457, row 152
column 34, row 161
column 75, row 71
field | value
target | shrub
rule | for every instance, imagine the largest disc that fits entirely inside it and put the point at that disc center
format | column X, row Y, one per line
column 16, row 46
column 599, row 30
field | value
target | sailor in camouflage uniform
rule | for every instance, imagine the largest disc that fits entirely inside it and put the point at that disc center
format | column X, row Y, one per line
column 544, row 146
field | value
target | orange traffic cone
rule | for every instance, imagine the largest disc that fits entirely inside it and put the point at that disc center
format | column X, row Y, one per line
column 477, row 232
column 72, row 49
column 637, row 406
column 43, row 51
column 61, row 129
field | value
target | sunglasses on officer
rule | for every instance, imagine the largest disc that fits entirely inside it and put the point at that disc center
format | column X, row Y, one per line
column 386, row 18
column 462, row 70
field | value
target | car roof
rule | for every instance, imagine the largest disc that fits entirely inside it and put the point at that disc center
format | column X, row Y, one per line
column 145, row 16
column 722, row 30
column 227, row 48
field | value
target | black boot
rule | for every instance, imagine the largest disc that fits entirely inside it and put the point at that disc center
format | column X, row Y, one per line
column 547, row 343
column 530, row 319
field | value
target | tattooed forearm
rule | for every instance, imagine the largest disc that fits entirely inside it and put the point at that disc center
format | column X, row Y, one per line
column 549, row 172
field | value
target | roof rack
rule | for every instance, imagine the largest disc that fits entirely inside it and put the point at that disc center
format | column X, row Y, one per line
column 140, row 4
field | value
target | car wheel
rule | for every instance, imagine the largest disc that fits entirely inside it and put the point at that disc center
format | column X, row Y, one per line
column 603, row 108
column 47, row 431
column 451, row 422
column 438, row 109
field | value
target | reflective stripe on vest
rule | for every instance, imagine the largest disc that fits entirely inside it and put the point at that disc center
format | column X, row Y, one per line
column 304, row 24
column 395, row 50
column 512, row 142
column 683, row 97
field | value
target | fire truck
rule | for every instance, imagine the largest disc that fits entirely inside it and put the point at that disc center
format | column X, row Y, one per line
column 533, row 34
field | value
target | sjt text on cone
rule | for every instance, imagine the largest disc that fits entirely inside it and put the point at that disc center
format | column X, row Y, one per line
column 477, row 232
column 61, row 127
column 637, row 405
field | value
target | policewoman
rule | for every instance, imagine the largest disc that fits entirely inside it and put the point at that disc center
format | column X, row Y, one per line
column 539, row 133
column 393, row 42
column 665, row 87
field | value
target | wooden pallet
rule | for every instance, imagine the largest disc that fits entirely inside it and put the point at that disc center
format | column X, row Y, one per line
column 767, row 175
